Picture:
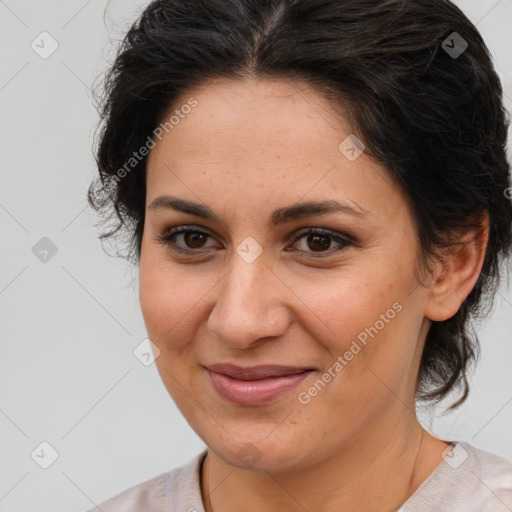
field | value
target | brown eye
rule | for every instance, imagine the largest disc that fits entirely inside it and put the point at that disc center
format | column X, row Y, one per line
column 317, row 242
column 186, row 240
column 194, row 239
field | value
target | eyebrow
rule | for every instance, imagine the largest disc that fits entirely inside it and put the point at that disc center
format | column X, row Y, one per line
column 278, row 216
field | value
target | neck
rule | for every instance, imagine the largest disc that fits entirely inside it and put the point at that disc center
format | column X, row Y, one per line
column 377, row 472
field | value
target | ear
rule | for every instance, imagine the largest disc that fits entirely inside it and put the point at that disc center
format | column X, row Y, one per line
column 456, row 272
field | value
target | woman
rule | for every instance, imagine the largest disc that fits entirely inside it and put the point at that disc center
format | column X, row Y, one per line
column 316, row 196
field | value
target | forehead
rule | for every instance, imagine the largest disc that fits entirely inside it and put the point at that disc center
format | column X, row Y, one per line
column 261, row 138
column 254, row 115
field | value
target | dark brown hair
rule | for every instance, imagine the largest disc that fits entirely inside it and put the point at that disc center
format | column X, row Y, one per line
column 422, row 93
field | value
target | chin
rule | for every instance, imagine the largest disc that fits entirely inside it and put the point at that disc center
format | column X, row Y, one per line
column 257, row 452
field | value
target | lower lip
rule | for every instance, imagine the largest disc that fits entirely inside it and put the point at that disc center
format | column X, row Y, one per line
column 255, row 392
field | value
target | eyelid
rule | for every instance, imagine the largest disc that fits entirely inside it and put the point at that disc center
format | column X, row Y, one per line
column 343, row 239
column 322, row 231
column 172, row 232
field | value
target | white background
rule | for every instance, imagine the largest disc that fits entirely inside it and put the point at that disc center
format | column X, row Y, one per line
column 69, row 326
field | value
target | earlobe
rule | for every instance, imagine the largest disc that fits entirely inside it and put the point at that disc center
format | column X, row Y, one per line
column 457, row 272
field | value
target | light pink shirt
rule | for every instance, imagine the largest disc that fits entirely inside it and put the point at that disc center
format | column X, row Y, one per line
column 468, row 480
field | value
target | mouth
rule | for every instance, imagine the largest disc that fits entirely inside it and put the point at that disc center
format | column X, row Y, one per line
column 257, row 385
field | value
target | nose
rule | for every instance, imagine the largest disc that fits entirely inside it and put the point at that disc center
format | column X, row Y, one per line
column 250, row 306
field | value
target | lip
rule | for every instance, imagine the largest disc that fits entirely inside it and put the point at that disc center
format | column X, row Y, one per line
column 256, row 385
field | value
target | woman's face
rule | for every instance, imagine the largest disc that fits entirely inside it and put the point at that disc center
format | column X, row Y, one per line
column 253, row 286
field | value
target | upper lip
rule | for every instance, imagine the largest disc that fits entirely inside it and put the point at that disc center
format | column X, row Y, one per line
column 255, row 372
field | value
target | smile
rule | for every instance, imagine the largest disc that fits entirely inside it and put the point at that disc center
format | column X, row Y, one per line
column 256, row 389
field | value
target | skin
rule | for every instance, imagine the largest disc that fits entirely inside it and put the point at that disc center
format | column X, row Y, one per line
column 246, row 149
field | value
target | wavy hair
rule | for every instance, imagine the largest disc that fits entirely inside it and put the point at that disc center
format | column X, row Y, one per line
column 425, row 107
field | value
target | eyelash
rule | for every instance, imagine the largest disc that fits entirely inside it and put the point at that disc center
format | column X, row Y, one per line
column 167, row 237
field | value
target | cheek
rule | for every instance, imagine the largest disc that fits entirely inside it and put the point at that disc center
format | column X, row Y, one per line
column 340, row 308
column 369, row 336
column 372, row 325
column 167, row 297
column 170, row 299
column 173, row 298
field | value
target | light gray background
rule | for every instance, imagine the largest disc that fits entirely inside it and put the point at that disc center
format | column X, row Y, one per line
column 69, row 326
